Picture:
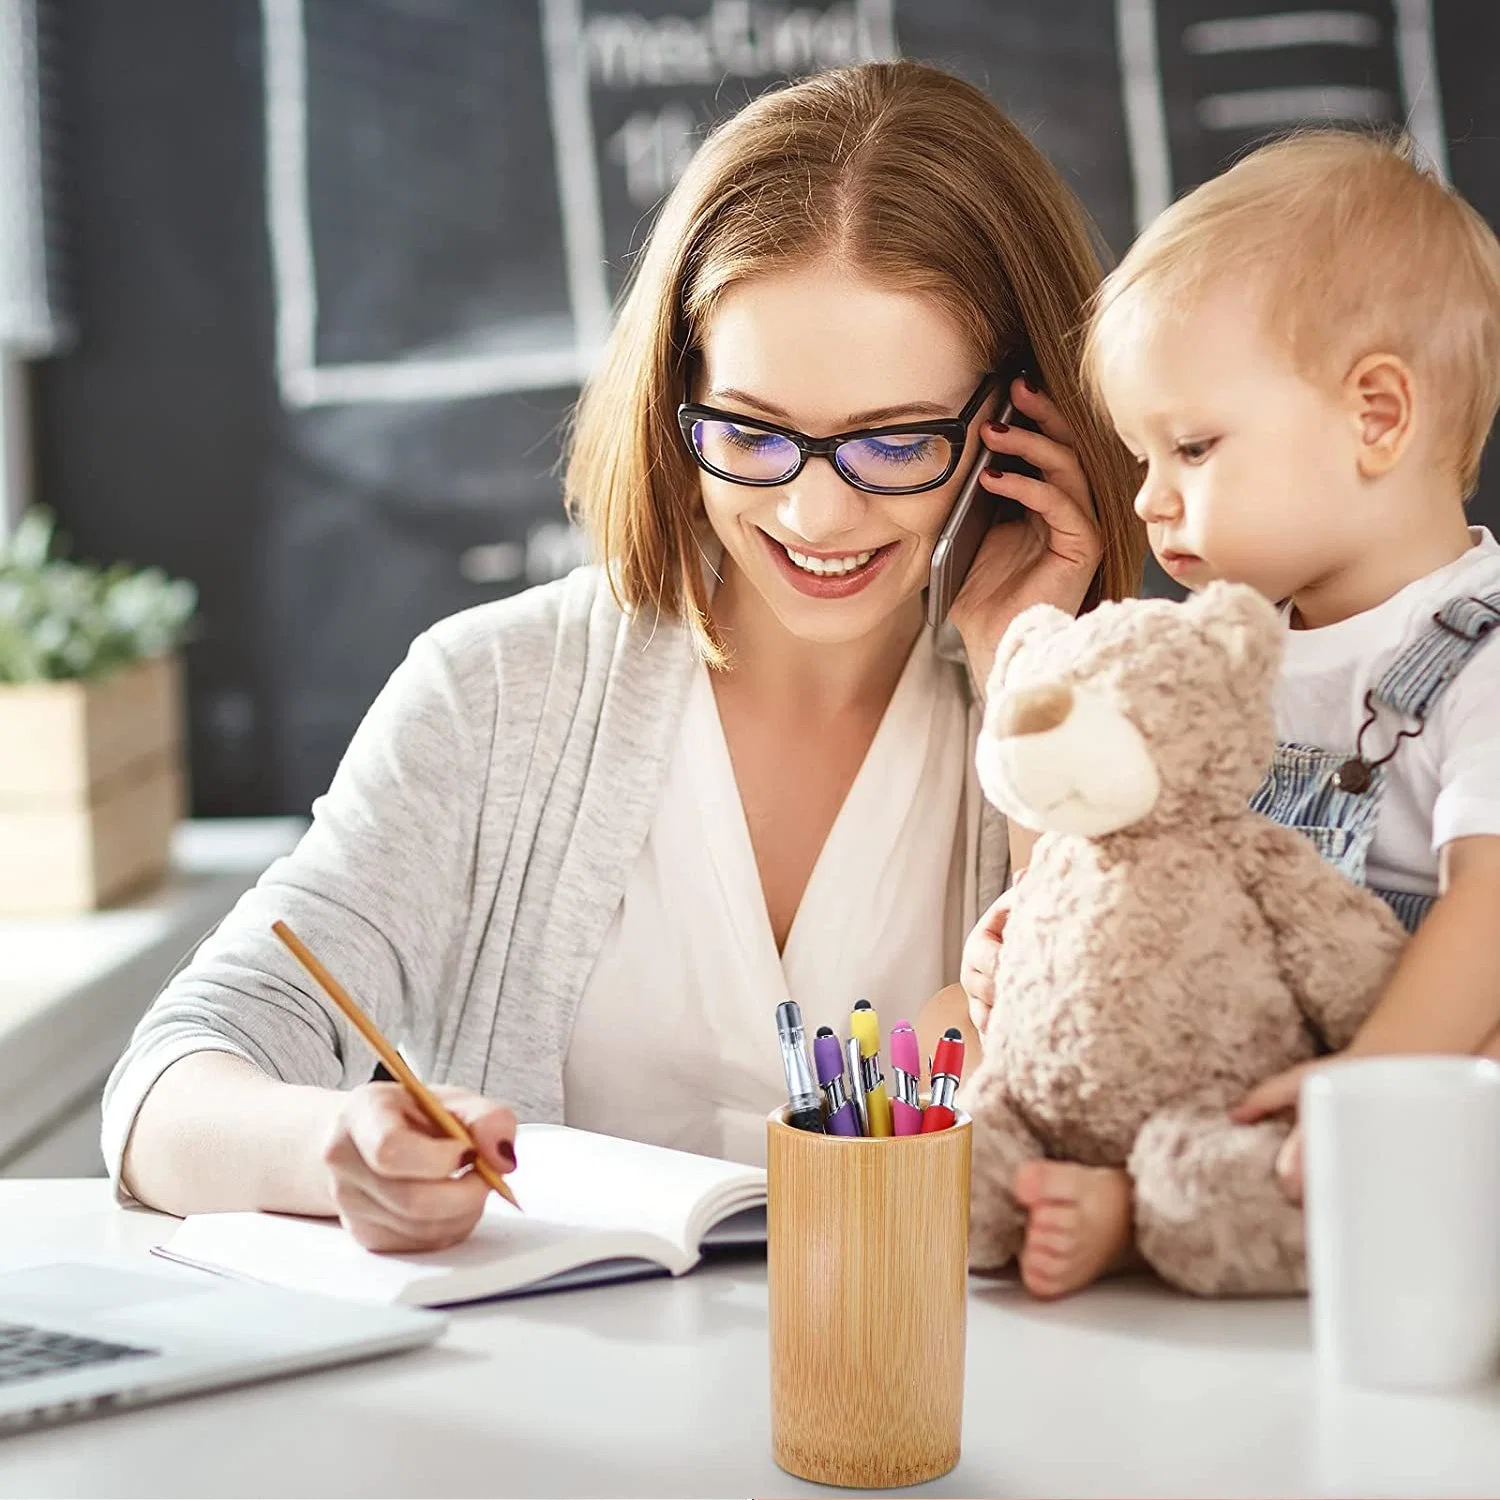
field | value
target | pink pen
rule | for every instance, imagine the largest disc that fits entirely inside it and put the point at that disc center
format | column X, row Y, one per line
column 906, row 1072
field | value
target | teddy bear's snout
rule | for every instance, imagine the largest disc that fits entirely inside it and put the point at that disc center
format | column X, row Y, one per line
column 1033, row 710
column 1063, row 756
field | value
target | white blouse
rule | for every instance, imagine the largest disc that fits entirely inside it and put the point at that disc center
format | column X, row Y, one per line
column 674, row 1041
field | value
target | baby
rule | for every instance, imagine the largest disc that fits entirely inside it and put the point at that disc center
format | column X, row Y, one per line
column 1304, row 356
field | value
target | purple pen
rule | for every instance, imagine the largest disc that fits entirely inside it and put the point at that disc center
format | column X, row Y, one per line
column 838, row 1107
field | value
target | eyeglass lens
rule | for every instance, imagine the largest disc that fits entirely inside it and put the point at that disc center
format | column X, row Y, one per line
column 894, row 461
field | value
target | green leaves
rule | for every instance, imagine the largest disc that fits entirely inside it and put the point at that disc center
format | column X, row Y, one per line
column 62, row 619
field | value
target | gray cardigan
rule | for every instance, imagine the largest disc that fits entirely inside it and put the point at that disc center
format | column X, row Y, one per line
column 463, row 868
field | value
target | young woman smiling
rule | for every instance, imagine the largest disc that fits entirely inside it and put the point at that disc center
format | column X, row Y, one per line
column 589, row 836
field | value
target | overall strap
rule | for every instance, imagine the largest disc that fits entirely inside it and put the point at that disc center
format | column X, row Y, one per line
column 1418, row 676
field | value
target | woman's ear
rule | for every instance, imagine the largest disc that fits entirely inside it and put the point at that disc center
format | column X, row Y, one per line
column 1380, row 394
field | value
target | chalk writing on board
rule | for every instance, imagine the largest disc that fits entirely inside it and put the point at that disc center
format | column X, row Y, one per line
column 733, row 39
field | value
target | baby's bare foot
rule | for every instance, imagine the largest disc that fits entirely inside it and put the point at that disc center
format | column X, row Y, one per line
column 1078, row 1224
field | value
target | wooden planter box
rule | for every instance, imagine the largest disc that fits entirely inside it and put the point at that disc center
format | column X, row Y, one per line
column 91, row 785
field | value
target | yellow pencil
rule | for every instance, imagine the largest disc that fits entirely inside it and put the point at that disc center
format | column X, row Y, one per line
column 430, row 1105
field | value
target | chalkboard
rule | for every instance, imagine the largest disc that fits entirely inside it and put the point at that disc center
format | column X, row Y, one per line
column 339, row 267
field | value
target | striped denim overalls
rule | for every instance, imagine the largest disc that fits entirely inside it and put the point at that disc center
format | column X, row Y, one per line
column 1335, row 799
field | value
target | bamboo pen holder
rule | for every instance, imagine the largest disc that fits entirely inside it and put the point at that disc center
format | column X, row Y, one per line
column 867, row 1253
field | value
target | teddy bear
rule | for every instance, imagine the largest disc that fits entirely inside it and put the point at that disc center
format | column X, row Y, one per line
column 1167, row 948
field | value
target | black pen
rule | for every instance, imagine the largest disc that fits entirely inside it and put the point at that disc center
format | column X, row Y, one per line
column 805, row 1109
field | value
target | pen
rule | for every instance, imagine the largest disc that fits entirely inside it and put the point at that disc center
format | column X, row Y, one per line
column 838, row 1107
column 806, row 1108
column 947, row 1066
column 865, row 1024
column 857, row 1086
column 906, row 1073
column 395, row 1064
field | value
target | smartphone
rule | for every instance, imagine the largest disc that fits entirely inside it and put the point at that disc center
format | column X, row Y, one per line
column 973, row 513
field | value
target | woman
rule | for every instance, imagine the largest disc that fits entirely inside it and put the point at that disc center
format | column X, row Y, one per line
column 587, row 837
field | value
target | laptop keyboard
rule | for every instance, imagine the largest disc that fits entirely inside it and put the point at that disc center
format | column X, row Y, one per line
column 26, row 1352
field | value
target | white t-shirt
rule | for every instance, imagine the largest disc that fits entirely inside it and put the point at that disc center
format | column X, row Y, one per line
column 1442, row 785
column 675, row 1037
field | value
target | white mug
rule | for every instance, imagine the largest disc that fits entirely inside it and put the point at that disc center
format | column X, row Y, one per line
column 1402, row 1189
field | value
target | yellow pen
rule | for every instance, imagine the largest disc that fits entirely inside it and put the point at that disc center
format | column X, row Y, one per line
column 864, row 1026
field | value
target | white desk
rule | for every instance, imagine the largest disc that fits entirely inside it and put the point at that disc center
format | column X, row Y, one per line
column 72, row 989
column 660, row 1388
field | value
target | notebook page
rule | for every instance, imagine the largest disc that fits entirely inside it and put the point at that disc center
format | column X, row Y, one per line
column 506, row 1251
column 593, row 1181
column 586, row 1198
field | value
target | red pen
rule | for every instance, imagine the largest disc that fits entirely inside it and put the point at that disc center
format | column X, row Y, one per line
column 947, row 1068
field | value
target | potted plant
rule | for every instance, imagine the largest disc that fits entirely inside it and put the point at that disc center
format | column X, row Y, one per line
column 92, row 774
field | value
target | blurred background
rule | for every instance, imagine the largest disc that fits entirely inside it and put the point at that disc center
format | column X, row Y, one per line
column 296, row 294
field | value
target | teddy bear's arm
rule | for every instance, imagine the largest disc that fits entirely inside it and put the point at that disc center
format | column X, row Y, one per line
column 1336, row 943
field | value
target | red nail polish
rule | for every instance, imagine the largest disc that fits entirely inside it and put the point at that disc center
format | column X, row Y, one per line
column 1000, row 426
column 1030, row 384
column 507, row 1157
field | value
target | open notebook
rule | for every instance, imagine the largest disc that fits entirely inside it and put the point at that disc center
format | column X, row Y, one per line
column 596, row 1209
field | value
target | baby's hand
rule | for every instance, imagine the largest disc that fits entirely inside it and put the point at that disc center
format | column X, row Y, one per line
column 1276, row 1096
column 982, row 954
column 1289, row 1165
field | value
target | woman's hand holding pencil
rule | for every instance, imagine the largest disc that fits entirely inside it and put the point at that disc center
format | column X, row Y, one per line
column 398, row 1151
column 393, row 1175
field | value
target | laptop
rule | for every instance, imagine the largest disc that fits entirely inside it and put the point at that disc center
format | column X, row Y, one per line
column 84, row 1338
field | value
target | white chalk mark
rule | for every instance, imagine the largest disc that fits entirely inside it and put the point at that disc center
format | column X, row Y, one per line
column 1255, row 109
column 288, row 215
column 575, row 154
column 434, row 379
column 1145, row 108
column 880, row 16
column 1306, row 28
column 1416, row 61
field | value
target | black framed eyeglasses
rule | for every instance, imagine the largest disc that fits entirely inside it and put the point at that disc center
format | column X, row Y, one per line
column 904, row 458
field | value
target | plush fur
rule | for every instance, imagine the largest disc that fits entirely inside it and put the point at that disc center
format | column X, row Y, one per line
column 1167, row 948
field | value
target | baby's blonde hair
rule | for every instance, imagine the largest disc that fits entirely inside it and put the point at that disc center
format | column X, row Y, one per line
column 1352, row 247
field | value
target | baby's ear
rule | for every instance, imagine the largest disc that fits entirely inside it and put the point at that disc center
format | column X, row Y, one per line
column 1030, row 625
column 1243, row 624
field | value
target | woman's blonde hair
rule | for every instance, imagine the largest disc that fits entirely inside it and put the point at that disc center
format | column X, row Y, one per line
column 1348, row 246
column 911, row 178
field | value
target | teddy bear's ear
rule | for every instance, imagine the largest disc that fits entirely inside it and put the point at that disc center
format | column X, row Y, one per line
column 1039, row 620
column 1243, row 624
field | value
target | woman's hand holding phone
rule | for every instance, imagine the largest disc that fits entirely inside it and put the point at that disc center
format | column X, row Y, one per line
column 1052, row 558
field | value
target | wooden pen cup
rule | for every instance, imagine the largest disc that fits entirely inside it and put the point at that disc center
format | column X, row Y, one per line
column 867, row 1259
